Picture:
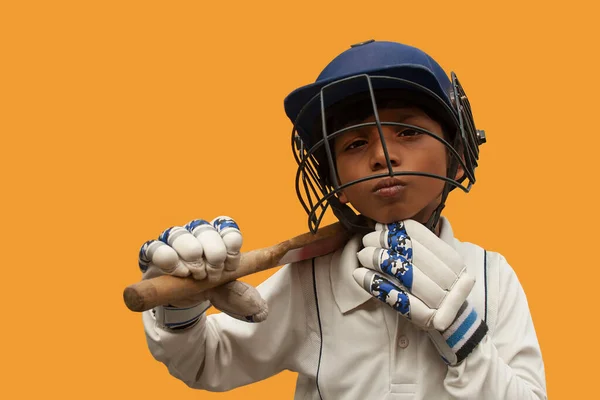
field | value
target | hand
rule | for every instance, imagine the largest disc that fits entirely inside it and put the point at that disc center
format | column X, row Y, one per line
column 423, row 278
column 202, row 250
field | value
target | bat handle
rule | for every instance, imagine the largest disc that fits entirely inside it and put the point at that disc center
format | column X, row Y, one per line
column 167, row 289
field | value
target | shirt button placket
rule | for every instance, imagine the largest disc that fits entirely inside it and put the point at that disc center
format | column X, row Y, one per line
column 403, row 342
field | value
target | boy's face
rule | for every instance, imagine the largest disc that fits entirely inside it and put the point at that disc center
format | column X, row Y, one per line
column 359, row 154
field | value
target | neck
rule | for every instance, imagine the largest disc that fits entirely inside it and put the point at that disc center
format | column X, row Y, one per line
column 438, row 228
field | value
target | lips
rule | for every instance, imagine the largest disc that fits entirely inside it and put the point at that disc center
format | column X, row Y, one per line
column 386, row 184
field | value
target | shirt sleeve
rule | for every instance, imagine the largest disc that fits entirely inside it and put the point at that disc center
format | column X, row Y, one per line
column 220, row 353
column 508, row 364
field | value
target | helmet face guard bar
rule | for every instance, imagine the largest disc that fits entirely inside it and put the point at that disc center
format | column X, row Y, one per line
column 317, row 183
column 471, row 138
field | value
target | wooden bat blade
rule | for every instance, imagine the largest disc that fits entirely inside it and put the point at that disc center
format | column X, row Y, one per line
column 167, row 289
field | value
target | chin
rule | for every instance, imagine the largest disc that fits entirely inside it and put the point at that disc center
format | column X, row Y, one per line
column 398, row 214
column 391, row 218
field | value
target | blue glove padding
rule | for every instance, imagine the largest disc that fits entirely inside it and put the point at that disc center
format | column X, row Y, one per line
column 423, row 278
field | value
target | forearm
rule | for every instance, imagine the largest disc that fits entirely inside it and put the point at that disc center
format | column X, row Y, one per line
column 220, row 353
column 187, row 353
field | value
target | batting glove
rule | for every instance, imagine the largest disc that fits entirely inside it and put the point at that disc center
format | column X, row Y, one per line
column 423, row 278
column 203, row 250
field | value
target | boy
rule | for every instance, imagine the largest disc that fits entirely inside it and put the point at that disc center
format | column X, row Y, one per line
column 404, row 310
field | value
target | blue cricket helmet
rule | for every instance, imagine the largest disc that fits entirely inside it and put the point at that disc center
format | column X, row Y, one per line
column 372, row 58
column 371, row 67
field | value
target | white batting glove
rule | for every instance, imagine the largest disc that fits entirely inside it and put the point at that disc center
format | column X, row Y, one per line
column 423, row 278
column 203, row 250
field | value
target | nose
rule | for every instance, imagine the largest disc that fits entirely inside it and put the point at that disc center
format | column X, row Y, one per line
column 377, row 157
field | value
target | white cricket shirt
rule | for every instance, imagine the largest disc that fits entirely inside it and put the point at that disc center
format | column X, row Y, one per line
column 344, row 344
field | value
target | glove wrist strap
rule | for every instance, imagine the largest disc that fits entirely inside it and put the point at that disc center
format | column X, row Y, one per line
column 178, row 318
column 461, row 337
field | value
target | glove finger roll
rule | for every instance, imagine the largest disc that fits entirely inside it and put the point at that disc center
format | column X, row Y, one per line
column 215, row 252
column 232, row 238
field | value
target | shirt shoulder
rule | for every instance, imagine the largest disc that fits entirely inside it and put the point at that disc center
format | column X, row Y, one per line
column 478, row 258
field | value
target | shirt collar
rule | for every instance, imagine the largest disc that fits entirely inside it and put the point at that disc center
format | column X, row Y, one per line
column 347, row 293
column 446, row 232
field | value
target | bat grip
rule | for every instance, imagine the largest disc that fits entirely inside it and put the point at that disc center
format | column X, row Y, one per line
column 167, row 289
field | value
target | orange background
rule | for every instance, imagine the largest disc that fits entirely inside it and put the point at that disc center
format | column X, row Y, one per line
column 119, row 119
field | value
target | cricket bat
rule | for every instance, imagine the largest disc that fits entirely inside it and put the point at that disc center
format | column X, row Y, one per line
column 167, row 289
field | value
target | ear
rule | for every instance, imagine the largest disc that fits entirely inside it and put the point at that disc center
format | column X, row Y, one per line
column 342, row 197
column 460, row 171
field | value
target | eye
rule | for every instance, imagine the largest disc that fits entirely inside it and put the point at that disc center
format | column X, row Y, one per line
column 355, row 144
column 408, row 132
